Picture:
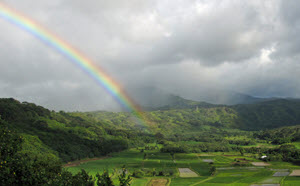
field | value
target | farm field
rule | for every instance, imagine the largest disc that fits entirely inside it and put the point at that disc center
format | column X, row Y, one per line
column 152, row 167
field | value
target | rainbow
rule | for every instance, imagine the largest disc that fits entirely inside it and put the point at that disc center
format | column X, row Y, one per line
column 75, row 56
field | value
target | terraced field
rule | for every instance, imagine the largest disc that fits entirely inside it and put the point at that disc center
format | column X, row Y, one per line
column 192, row 169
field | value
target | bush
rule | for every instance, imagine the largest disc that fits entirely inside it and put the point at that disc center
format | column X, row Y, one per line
column 138, row 174
column 104, row 179
column 161, row 173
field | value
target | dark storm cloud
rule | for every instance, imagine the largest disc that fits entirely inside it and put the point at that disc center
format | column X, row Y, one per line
column 188, row 48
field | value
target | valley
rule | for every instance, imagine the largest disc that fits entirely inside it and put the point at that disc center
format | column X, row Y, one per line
column 190, row 143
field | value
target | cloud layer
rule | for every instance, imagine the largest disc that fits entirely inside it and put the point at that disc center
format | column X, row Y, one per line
column 186, row 47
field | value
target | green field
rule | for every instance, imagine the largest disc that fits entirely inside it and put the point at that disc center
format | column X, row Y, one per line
column 226, row 173
column 291, row 181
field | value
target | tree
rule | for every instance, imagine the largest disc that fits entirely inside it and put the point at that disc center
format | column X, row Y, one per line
column 22, row 169
column 104, row 179
column 124, row 180
column 213, row 170
column 18, row 168
column 242, row 150
column 159, row 136
column 82, row 178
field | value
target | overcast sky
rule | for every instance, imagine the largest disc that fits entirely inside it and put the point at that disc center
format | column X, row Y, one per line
column 185, row 47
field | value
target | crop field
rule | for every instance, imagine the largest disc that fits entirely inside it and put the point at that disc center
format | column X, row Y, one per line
column 186, row 172
column 291, row 181
column 278, row 174
column 260, row 164
column 192, row 169
column 187, row 181
column 140, row 181
column 132, row 159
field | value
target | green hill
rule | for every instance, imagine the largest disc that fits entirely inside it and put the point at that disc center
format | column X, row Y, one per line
column 72, row 136
column 268, row 114
column 62, row 135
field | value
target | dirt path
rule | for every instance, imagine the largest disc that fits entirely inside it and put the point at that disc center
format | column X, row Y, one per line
column 158, row 182
column 76, row 163
column 209, row 178
column 260, row 164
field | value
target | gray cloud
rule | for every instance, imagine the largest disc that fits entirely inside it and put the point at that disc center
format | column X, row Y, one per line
column 189, row 48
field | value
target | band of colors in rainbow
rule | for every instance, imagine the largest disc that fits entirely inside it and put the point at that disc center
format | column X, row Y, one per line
column 76, row 57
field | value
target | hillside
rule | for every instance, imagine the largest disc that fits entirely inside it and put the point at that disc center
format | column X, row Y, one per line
column 62, row 135
column 268, row 114
column 71, row 136
column 187, row 115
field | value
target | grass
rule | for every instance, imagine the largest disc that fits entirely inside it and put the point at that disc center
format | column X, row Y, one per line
column 257, row 176
column 291, row 181
column 140, row 181
column 201, row 168
column 271, row 180
column 225, row 179
column 282, row 165
column 186, row 181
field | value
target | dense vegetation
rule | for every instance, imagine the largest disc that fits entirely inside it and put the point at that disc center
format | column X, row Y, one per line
column 195, row 116
column 61, row 135
column 268, row 114
column 280, row 135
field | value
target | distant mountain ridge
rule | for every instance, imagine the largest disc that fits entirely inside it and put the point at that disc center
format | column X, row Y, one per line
column 152, row 98
column 177, row 102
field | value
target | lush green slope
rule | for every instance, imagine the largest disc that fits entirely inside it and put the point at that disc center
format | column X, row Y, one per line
column 72, row 136
column 280, row 135
column 188, row 116
column 268, row 114
column 61, row 134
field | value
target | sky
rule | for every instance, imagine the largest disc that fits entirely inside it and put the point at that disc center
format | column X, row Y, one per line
column 191, row 48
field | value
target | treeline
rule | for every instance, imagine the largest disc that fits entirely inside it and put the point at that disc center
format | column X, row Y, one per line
column 197, row 148
column 285, row 152
column 280, row 135
column 241, row 142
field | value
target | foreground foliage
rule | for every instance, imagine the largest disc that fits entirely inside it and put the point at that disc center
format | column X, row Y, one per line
column 17, row 168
